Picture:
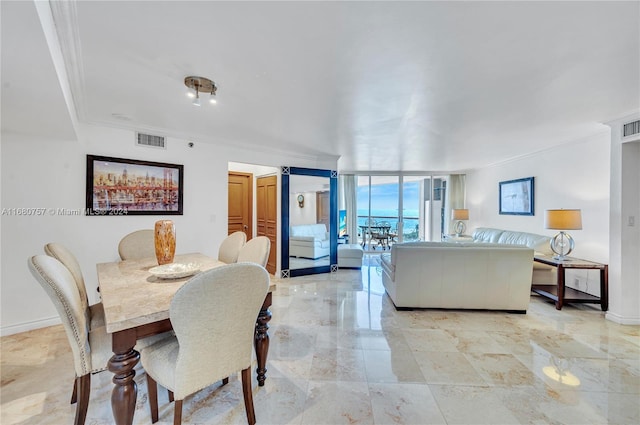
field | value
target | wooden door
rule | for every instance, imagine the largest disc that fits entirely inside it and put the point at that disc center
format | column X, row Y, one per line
column 267, row 215
column 323, row 208
column 240, row 207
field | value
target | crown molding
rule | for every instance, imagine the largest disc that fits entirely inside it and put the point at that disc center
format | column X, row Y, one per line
column 65, row 19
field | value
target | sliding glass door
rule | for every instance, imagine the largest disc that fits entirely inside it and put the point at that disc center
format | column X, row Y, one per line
column 399, row 208
column 378, row 212
column 413, row 208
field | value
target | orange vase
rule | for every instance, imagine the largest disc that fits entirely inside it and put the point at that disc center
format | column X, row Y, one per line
column 165, row 241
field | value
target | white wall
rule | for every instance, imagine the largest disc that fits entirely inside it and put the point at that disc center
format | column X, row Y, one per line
column 624, row 269
column 574, row 175
column 45, row 173
column 306, row 214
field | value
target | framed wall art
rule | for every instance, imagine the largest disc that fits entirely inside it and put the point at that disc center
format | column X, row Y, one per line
column 118, row 186
column 516, row 197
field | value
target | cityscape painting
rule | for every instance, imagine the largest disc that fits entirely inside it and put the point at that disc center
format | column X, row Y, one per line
column 117, row 186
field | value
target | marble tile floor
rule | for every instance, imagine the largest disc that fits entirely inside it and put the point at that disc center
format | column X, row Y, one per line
column 341, row 354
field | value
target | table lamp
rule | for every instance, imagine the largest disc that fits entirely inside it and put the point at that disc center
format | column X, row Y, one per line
column 562, row 243
column 460, row 215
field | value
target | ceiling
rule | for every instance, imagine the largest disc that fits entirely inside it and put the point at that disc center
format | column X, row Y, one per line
column 383, row 86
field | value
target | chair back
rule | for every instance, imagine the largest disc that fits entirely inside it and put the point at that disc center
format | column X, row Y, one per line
column 66, row 257
column 214, row 318
column 255, row 251
column 58, row 282
column 137, row 245
column 230, row 247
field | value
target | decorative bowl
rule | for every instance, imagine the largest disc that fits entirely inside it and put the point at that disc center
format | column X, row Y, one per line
column 174, row 270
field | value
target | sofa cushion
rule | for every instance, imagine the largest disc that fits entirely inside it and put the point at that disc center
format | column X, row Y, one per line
column 486, row 234
column 539, row 243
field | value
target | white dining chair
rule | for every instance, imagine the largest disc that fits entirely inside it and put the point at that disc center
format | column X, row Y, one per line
column 137, row 245
column 91, row 348
column 214, row 318
column 230, row 247
column 93, row 317
column 95, row 312
column 256, row 251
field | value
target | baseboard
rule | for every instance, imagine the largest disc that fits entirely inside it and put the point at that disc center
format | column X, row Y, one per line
column 621, row 319
column 29, row 326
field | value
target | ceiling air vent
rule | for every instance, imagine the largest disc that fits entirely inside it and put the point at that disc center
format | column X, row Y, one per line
column 150, row 140
column 631, row 128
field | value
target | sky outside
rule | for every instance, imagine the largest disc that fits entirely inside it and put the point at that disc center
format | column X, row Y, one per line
column 385, row 197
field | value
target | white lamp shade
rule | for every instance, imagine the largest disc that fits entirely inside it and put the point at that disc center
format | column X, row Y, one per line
column 460, row 214
column 563, row 219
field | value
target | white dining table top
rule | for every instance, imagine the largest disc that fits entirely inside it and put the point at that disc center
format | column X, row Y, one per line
column 132, row 296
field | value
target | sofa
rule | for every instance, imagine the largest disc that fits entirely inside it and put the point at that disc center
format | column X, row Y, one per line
column 466, row 275
column 539, row 243
column 309, row 241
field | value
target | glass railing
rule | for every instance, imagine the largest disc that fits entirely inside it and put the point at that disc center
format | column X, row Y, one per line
column 371, row 239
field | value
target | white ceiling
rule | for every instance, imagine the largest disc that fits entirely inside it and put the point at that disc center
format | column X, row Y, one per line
column 412, row 86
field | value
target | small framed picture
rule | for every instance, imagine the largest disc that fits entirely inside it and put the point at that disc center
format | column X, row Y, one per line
column 516, row 197
column 118, row 186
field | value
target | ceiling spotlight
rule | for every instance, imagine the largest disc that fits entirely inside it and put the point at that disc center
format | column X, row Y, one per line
column 201, row 85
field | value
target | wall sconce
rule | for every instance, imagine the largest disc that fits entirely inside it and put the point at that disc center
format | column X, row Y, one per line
column 301, row 201
column 562, row 243
column 460, row 215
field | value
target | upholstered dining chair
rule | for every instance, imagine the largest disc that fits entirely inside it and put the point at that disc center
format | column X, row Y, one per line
column 137, row 245
column 91, row 348
column 94, row 320
column 95, row 312
column 213, row 316
column 256, row 251
column 230, row 247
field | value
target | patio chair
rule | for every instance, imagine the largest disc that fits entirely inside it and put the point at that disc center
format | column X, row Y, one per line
column 381, row 234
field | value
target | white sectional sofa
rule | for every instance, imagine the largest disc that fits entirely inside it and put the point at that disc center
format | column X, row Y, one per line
column 309, row 241
column 458, row 275
column 539, row 243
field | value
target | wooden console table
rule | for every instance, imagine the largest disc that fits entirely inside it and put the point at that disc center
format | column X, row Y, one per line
column 561, row 294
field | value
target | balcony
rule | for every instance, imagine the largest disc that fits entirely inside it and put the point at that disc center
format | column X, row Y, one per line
column 373, row 238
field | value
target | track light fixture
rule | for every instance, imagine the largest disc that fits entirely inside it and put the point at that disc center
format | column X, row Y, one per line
column 201, row 85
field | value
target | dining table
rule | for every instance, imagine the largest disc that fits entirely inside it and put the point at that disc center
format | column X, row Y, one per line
column 136, row 305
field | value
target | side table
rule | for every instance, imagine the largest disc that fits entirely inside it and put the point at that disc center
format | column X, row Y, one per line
column 561, row 294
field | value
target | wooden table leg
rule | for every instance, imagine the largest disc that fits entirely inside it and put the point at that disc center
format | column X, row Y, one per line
column 125, row 391
column 604, row 288
column 262, row 339
column 560, row 287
